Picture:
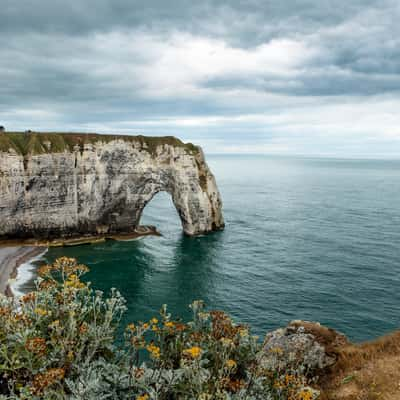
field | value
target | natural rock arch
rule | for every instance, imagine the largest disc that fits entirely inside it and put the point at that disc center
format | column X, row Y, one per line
column 65, row 185
column 161, row 202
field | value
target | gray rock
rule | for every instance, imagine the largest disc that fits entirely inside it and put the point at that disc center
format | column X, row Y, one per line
column 303, row 345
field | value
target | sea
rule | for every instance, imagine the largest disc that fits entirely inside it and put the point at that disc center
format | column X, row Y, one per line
column 315, row 239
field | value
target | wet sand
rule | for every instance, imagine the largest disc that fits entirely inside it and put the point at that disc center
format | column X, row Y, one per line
column 10, row 259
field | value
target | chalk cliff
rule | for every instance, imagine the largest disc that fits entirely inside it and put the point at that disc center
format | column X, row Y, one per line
column 61, row 185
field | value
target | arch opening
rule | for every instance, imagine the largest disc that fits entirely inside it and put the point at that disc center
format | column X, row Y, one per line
column 161, row 212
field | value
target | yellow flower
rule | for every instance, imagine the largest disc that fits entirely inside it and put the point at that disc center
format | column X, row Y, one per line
column 40, row 311
column 143, row 397
column 243, row 332
column 289, row 378
column 154, row 321
column 132, row 327
column 74, row 282
column 278, row 384
column 55, row 324
column 231, row 364
column 169, row 324
column 193, row 352
column 276, row 350
column 153, row 350
column 305, row 395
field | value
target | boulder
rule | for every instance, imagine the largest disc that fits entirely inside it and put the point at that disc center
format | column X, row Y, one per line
column 302, row 345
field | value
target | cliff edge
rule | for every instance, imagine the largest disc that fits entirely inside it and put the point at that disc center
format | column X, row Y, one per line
column 337, row 369
column 63, row 184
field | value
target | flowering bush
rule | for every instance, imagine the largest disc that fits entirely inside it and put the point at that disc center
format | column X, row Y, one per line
column 59, row 343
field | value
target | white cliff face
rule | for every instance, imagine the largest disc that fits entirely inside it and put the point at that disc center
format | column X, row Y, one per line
column 103, row 187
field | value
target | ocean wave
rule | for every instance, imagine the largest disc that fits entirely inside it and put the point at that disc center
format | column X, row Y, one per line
column 26, row 272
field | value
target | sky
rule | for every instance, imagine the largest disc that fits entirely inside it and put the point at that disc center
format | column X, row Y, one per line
column 304, row 77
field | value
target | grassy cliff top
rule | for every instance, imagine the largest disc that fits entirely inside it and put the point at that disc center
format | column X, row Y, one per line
column 54, row 142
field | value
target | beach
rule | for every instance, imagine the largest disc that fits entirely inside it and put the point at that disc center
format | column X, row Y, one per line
column 10, row 259
column 14, row 254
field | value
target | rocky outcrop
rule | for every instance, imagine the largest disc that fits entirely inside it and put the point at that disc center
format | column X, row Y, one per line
column 60, row 185
column 336, row 368
column 302, row 344
column 303, row 349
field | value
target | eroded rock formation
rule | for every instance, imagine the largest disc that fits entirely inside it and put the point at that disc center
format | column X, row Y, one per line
column 60, row 185
column 304, row 343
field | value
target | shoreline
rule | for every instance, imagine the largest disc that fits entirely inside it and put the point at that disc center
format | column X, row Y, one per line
column 14, row 252
column 76, row 240
column 11, row 258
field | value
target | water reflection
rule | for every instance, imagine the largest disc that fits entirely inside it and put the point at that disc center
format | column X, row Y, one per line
column 195, row 269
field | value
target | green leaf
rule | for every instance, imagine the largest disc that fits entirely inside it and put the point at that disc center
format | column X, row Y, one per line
column 348, row 379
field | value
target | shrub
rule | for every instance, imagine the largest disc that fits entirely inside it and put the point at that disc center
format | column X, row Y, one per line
column 59, row 342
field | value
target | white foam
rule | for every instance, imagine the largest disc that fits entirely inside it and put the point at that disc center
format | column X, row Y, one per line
column 25, row 273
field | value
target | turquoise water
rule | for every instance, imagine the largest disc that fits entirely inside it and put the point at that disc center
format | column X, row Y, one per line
column 314, row 239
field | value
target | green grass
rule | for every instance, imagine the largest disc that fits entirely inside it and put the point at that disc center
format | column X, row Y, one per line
column 34, row 143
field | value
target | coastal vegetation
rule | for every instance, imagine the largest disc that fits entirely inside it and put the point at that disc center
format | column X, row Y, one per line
column 63, row 341
column 34, row 143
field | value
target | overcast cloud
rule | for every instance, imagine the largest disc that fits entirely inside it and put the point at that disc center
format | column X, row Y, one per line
column 258, row 76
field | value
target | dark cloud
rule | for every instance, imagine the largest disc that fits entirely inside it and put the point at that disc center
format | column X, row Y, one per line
column 102, row 64
column 231, row 18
